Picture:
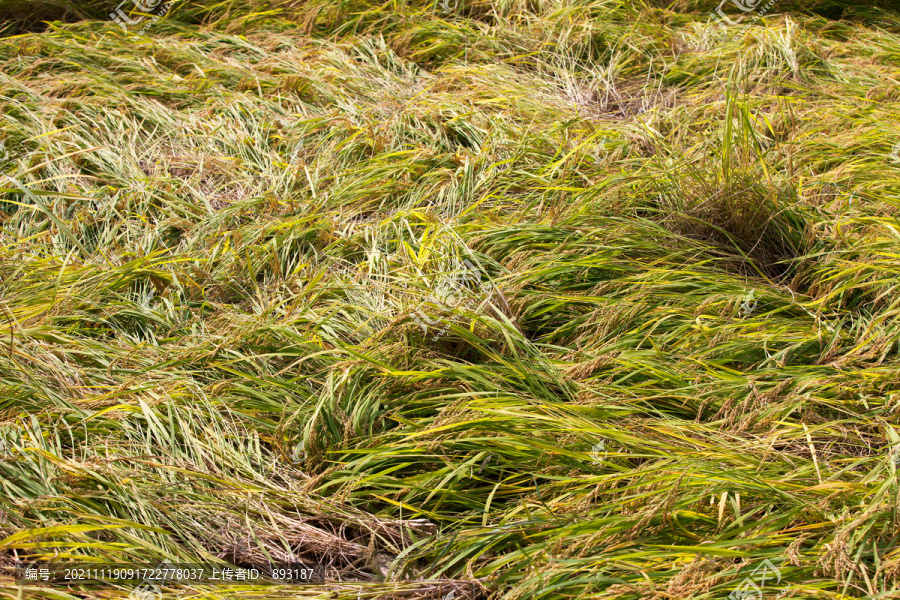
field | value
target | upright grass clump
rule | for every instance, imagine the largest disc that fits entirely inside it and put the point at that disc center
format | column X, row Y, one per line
column 760, row 225
column 731, row 200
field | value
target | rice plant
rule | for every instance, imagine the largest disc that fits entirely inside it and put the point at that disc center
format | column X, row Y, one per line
column 452, row 299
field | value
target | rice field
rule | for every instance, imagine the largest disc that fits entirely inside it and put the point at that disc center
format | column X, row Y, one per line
column 520, row 300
